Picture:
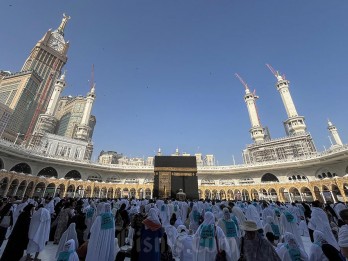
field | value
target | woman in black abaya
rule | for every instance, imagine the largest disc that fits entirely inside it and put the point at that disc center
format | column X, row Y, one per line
column 18, row 239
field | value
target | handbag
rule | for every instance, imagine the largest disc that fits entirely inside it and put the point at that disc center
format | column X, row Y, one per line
column 221, row 255
column 242, row 257
column 6, row 221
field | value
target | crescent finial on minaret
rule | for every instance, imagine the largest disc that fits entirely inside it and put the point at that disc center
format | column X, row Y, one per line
column 62, row 25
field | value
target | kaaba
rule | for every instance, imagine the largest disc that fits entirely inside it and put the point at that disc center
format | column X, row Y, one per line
column 173, row 173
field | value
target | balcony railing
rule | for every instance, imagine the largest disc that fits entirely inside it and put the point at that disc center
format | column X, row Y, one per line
column 6, row 145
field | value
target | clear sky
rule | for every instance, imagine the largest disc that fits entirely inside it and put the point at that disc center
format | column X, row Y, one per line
column 164, row 69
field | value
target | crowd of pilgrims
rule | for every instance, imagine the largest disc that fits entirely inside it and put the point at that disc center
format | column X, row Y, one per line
column 113, row 229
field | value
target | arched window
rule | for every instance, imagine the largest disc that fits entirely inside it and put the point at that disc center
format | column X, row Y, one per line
column 269, row 177
column 73, row 174
column 48, row 172
column 94, row 178
column 21, row 167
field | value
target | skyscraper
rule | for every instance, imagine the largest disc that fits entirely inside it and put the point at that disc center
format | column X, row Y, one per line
column 18, row 92
column 48, row 57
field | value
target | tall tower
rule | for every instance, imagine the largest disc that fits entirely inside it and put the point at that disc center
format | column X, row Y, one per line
column 334, row 133
column 257, row 132
column 83, row 129
column 294, row 124
column 47, row 58
column 47, row 122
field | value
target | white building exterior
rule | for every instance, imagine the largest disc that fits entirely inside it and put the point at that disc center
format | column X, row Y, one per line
column 63, row 147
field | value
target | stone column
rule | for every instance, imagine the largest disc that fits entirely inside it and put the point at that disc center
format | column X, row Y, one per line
column 15, row 190
column 301, row 195
column 322, row 195
column 65, row 190
column 290, row 198
column 43, row 194
column 32, row 191
column 7, row 188
column 25, row 189
column 333, row 196
column 342, row 192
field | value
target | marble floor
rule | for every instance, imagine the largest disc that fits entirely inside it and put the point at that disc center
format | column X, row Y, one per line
column 49, row 253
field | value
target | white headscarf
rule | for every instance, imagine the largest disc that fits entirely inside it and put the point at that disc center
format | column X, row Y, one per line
column 319, row 238
column 69, row 234
column 152, row 216
column 182, row 229
column 209, row 219
column 290, row 239
column 101, row 240
column 69, row 247
column 227, row 215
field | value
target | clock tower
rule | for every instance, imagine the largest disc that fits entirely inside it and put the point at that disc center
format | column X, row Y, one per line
column 47, row 58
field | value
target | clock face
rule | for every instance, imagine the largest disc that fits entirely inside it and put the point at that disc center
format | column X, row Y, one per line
column 56, row 44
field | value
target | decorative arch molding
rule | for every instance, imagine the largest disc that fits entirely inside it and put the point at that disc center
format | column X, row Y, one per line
column 296, row 176
column 48, row 172
column 207, row 182
column 324, row 173
column 226, row 182
column 269, row 177
column 73, row 174
column 114, row 179
column 21, row 168
column 95, row 177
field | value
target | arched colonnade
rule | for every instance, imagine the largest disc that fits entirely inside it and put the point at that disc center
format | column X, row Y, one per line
column 20, row 185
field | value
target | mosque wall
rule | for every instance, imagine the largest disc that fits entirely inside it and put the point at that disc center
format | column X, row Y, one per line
column 325, row 180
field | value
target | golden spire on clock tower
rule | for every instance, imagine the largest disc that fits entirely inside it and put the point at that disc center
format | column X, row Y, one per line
column 65, row 20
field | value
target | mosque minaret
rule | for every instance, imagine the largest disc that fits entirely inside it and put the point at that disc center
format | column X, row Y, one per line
column 334, row 133
column 257, row 132
column 58, row 89
column 294, row 124
column 83, row 128
column 47, row 122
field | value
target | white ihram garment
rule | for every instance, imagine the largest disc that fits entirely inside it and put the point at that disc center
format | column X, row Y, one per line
column 201, row 253
column 286, row 226
column 319, row 221
column 69, row 246
column 39, row 231
column 70, row 233
column 101, row 245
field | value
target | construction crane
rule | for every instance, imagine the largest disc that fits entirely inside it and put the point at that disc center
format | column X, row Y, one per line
column 41, row 102
column 92, row 78
column 242, row 81
column 275, row 73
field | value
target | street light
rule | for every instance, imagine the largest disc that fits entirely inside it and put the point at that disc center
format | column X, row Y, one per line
column 18, row 134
